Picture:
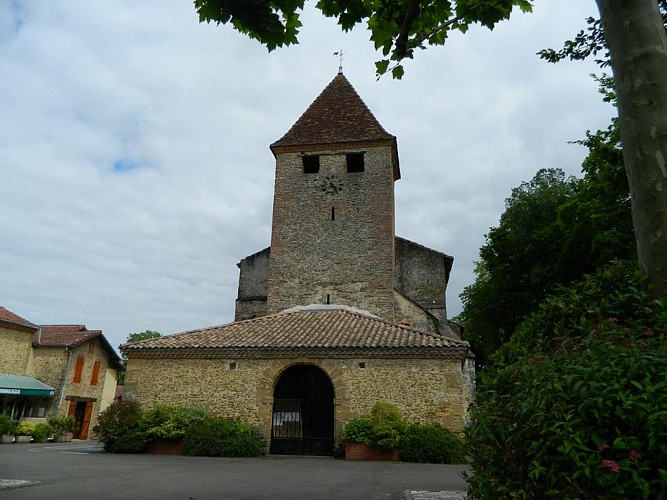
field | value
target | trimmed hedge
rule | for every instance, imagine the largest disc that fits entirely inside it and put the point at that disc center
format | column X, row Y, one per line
column 432, row 443
column 222, row 437
column 125, row 428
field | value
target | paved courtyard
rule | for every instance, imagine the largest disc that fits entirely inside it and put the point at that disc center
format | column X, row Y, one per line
column 84, row 470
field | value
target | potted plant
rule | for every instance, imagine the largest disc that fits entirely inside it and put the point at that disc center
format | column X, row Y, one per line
column 62, row 428
column 23, row 431
column 375, row 437
column 42, row 432
column 6, row 429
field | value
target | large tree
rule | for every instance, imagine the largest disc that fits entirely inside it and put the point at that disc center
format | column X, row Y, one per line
column 634, row 34
column 554, row 230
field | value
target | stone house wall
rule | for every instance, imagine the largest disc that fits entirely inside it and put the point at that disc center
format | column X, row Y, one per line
column 16, row 351
column 424, row 390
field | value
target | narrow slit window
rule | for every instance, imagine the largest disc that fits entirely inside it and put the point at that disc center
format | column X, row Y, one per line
column 333, row 213
column 311, row 164
column 328, row 298
column 355, row 162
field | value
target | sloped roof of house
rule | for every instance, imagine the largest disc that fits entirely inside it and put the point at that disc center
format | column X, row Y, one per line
column 311, row 331
column 62, row 335
column 6, row 316
column 337, row 115
column 74, row 335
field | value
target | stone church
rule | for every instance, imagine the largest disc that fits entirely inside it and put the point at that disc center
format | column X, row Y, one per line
column 336, row 314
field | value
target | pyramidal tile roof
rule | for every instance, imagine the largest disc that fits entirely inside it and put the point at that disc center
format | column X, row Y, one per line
column 331, row 331
column 9, row 317
column 337, row 115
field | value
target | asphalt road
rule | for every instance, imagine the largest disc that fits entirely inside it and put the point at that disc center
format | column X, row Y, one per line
column 81, row 470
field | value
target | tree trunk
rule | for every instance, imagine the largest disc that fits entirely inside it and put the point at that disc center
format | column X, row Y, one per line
column 638, row 46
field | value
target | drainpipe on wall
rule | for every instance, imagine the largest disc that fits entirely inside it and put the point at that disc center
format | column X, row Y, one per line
column 68, row 350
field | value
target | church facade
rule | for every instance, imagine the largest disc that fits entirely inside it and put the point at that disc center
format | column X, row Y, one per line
column 336, row 314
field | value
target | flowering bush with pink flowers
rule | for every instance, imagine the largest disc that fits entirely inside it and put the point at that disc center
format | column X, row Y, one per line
column 575, row 405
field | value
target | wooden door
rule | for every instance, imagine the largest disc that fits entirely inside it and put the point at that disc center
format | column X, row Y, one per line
column 85, row 425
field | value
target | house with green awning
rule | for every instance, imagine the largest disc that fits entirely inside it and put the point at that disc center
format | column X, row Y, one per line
column 22, row 385
column 55, row 370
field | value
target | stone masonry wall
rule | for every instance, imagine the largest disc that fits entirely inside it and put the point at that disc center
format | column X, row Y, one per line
column 15, row 351
column 253, row 276
column 331, row 246
column 409, row 313
column 422, row 275
column 424, row 390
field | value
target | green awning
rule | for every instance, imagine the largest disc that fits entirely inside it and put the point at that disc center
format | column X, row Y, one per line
column 22, row 385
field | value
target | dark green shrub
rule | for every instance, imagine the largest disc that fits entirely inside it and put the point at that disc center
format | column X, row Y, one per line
column 387, row 426
column 384, row 427
column 171, row 422
column 574, row 405
column 358, row 430
column 42, row 432
column 222, row 437
column 432, row 443
column 118, row 427
column 7, row 424
column 62, row 425
column 130, row 440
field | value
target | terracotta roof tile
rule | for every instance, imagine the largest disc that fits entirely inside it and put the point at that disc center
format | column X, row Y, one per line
column 7, row 316
column 337, row 115
column 52, row 335
column 312, row 329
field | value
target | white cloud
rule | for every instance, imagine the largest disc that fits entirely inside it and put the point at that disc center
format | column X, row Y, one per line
column 135, row 162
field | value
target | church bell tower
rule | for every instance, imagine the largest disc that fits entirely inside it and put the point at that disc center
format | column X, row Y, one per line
column 332, row 238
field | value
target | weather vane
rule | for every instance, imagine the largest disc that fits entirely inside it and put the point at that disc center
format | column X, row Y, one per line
column 340, row 55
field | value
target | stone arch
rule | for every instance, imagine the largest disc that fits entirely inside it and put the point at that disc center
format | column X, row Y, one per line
column 302, row 419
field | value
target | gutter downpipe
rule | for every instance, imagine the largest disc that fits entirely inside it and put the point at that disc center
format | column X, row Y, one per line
column 68, row 349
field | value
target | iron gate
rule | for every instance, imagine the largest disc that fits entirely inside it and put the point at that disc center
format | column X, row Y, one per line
column 302, row 420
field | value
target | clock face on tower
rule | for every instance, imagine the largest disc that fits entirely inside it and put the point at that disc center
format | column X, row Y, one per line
column 332, row 184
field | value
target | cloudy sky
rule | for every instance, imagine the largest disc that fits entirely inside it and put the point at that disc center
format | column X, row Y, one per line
column 135, row 169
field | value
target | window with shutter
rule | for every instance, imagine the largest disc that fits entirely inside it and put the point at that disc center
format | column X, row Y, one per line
column 96, row 372
column 78, row 369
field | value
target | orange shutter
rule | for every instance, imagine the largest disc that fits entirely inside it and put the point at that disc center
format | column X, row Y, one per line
column 72, row 409
column 86, row 420
column 96, row 372
column 78, row 370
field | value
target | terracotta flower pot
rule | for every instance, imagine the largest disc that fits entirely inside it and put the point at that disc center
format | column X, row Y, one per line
column 165, row 447
column 361, row 451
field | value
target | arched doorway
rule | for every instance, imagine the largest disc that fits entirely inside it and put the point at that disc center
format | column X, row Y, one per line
column 303, row 412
